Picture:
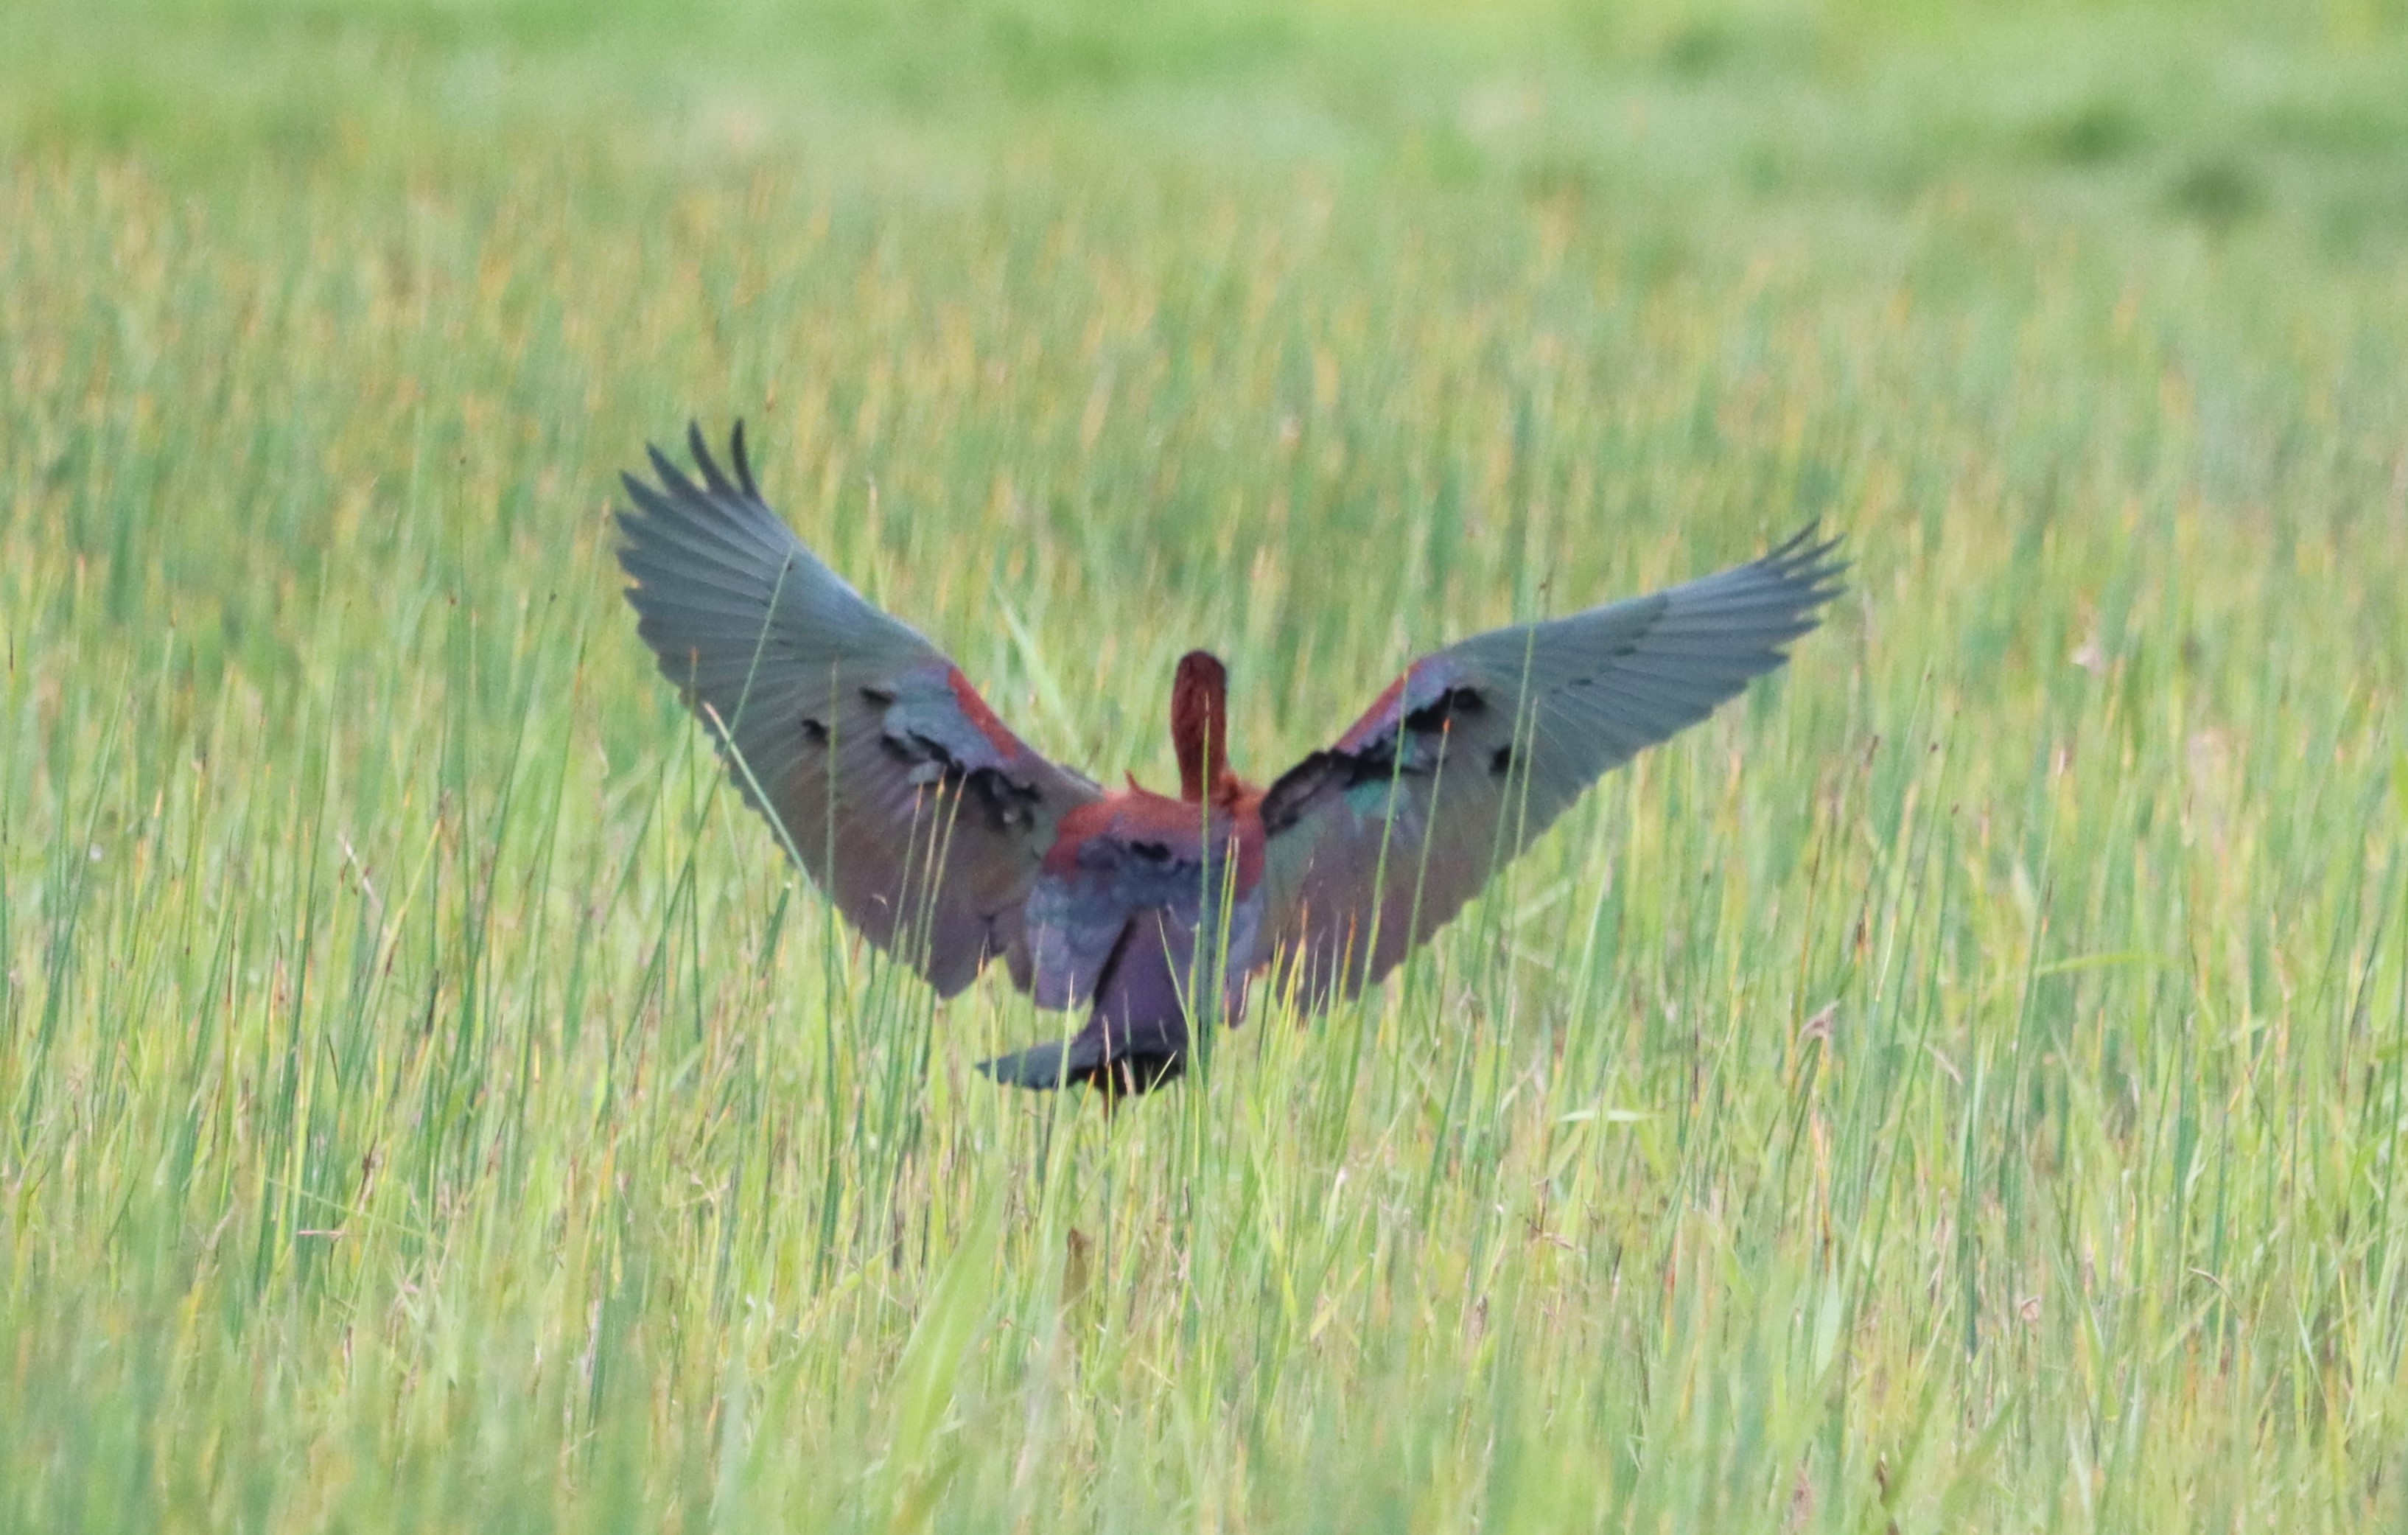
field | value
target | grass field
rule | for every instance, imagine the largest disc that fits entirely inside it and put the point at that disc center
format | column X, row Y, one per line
column 1962, row 1089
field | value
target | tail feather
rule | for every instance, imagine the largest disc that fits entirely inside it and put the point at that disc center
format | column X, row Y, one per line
column 1044, row 1067
column 1115, row 1073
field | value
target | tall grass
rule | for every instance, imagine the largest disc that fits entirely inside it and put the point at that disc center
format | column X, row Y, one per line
column 1960, row 1087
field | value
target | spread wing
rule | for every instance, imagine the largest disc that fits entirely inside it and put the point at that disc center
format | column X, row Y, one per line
column 910, row 804
column 1374, row 843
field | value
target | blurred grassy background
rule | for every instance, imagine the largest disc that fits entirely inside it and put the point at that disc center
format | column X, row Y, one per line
column 1960, row 1088
column 2218, row 114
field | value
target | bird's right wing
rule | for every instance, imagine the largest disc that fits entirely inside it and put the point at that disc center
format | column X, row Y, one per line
column 1375, row 843
column 910, row 804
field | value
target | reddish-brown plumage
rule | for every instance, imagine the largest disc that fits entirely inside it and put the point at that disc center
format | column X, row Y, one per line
column 1199, row 728
column 1137, row 815
column 949, row 841
column 1376, row 718
column 998, row 735
column 1214, row 804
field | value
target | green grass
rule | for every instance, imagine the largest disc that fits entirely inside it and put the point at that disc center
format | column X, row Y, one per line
column 1961, row 1087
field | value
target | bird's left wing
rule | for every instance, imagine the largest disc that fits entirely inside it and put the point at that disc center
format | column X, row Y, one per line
column 1375, row 843
column 920, row 813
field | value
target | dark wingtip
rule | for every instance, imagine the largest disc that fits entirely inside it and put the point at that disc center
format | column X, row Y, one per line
column 1806, row 546
column 714, row 479
column 1807, row 557
column 625, row 518
column 672, row 479
column 711, row 474
column 743, row 460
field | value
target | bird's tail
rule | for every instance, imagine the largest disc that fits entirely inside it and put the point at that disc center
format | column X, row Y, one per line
column 1057, row 1063
column 1043, row 1067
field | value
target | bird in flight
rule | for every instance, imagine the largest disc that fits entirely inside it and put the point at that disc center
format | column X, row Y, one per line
column 949, row 841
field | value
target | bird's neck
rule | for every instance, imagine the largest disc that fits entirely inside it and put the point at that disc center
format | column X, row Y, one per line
column 1199, row 727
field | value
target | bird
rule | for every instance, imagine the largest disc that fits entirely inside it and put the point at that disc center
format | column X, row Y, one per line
column 948, row 841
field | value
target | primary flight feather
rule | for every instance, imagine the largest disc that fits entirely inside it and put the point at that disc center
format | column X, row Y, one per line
column 948, row 841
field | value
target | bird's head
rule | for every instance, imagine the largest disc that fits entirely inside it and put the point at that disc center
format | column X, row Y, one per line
column 1199, row 723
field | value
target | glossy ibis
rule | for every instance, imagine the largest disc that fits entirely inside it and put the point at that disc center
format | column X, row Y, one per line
column 948, row 841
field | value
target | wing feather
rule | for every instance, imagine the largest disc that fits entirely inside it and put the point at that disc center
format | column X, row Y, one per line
column 1375, row 843
column 904, row 797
